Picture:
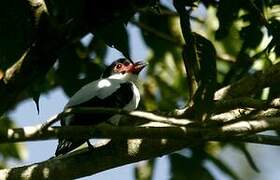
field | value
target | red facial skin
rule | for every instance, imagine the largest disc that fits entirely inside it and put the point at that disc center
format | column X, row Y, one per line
column 129, row 67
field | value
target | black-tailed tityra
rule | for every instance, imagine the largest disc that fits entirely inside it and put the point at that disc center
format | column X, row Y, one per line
column 115, row 89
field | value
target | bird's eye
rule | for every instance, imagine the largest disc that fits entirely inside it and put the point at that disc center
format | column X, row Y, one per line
column 119, row 66
column 126, row 63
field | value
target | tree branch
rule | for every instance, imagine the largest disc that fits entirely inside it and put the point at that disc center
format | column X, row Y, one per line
column 250, row 84
column 220, row 106
column 124, row 152
column 203, row 132
column 158, row 141
column 136, row 114
column 245, row 102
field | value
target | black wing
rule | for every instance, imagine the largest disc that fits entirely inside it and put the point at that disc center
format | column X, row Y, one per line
column 118, row 99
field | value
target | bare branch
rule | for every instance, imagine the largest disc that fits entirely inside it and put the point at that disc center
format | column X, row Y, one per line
column 158, row 141
column 245, row 102
column 244, row 127
column 124, row 152
column 136, row 114
column 144, row 143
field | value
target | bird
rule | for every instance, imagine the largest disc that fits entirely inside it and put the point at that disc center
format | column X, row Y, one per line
column 115, row 89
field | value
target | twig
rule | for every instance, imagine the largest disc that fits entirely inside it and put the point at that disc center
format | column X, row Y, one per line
column 245, row 102
column 160, row 140
column 136, row 114
column 227, row 131
column 51, row 121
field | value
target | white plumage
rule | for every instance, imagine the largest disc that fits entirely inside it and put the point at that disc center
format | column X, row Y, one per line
column 117, row 89
column 103, row 88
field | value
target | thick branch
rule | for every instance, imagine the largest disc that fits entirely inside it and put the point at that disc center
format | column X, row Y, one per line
column 125, row 152
column 124, row 132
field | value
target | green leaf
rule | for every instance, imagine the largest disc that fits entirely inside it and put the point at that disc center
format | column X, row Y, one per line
column 99, row 48
column 144, row 170
column 206, row 53
column 76, row 69
column 274, row 44
column 36, row 99
column 242, row 147
column 161, row 25
column 206, row 75
column 227, row 13
column 183, row 168
column 189, row 3
column 252, row 36
column 9, row 151
column 39, row 86
column 208, row 3
column 5, row 122
column 15, row 32
column 240, row 68
column 115, row 35
column 107, row 20
column 222, row 166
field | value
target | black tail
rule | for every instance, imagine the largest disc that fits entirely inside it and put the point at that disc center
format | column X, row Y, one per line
column 64, row 146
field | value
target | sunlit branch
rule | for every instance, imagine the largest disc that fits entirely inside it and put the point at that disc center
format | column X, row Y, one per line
column 125, row 152
column 136, row 114
column 245, row 102
column 220, row 106
column 117, row 153
column 250, row 84
column 203, row 133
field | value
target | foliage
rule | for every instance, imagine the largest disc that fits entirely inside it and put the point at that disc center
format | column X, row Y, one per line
column 191, row 55
column 9, row 151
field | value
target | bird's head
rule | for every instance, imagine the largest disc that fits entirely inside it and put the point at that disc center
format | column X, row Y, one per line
column 123, row 69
